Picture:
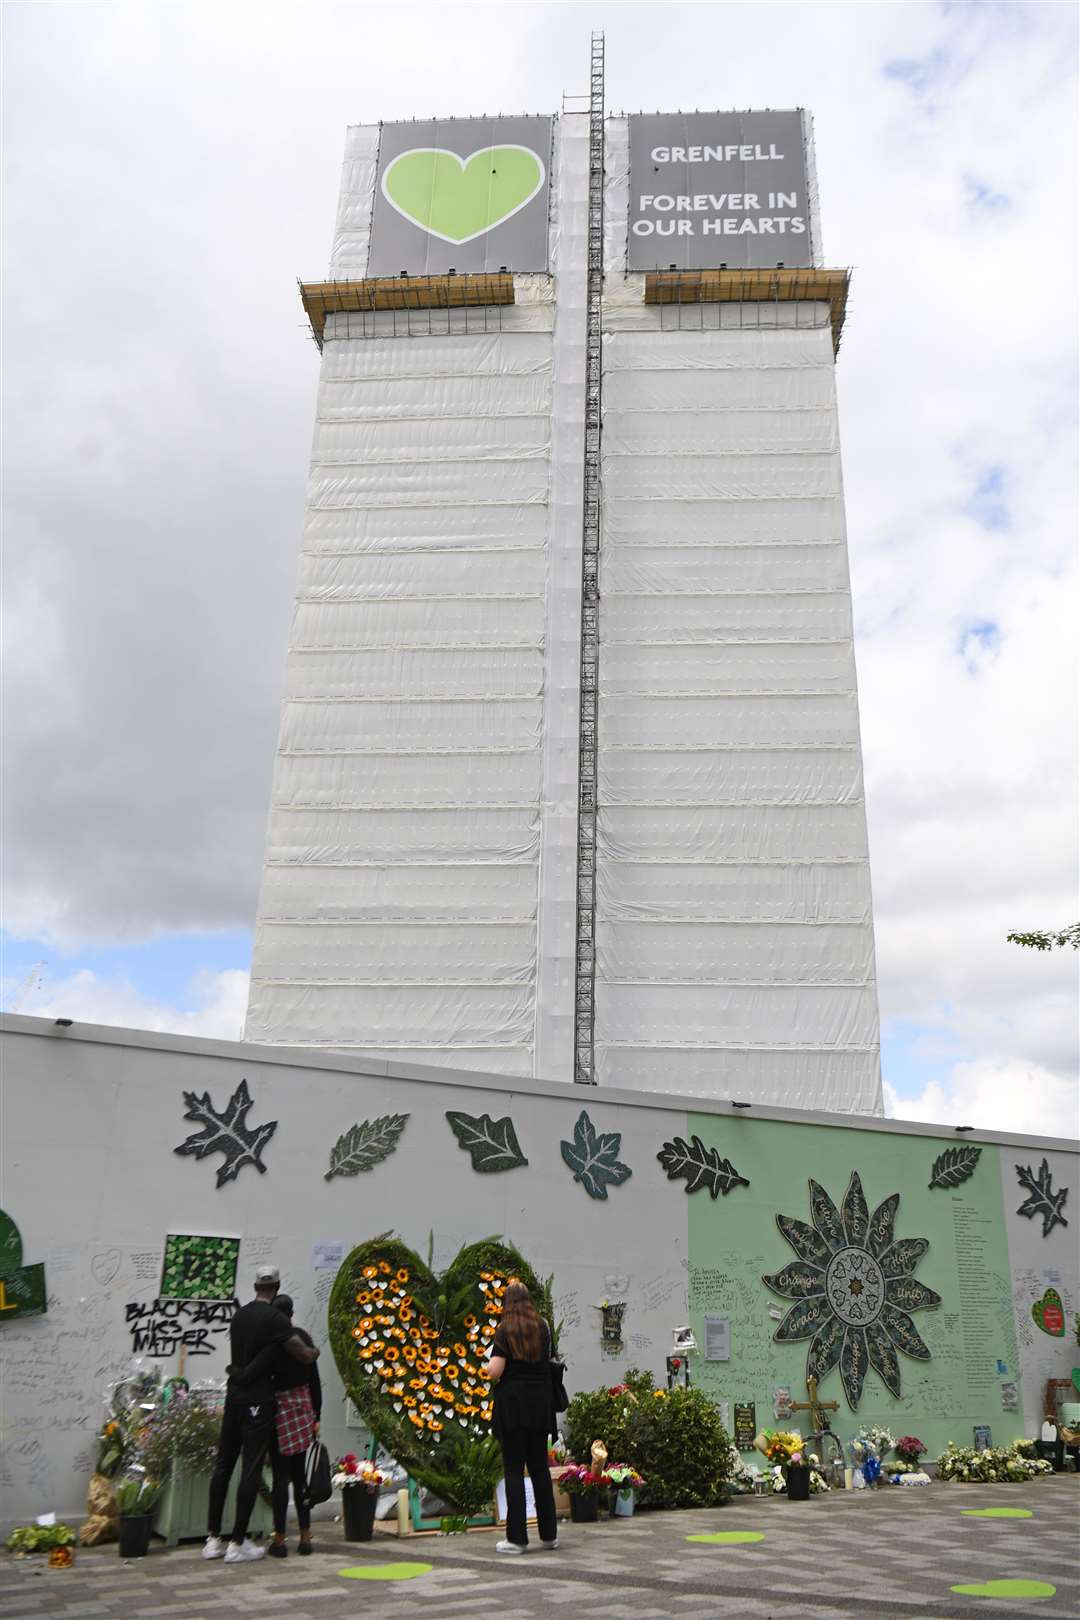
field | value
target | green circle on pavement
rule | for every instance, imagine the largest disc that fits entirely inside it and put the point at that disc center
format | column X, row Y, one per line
column 728, row 1538
column 1007, row 1589
column 996, row 1513
column 386, row 1572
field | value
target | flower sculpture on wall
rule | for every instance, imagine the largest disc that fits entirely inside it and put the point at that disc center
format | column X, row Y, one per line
column 854, row 1288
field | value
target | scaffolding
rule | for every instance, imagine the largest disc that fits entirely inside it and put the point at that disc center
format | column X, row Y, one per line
column 585, row 967
column 406, row 294
column 696, row 290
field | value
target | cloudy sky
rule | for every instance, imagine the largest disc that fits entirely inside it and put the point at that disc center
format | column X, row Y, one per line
column 172, row 168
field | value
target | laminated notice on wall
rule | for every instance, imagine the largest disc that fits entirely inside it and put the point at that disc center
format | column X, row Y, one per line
column 718, row 1338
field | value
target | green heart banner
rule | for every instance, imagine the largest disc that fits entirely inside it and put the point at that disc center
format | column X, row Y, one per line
column 458, row 199
column 411, row 1347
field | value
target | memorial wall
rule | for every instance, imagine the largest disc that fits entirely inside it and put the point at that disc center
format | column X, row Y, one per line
column 929, row 1278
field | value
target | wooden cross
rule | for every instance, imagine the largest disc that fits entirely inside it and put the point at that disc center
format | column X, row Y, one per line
column 816, row 1408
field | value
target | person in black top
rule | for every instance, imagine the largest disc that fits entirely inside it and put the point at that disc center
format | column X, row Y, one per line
column 247, row 1422
column 524, row 1414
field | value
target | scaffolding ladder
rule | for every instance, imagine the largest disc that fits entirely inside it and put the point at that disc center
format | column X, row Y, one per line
column 585, row 964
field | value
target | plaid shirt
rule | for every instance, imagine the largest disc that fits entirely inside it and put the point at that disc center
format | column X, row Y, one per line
column 295, row 1420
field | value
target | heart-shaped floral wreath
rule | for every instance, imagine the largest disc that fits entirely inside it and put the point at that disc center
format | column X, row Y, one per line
column 411, row 1347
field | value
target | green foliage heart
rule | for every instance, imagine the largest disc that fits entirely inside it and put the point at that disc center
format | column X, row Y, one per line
column 458, row 199
column 411, row 1346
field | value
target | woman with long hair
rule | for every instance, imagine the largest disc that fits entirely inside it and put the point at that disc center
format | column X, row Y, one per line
column 524, row 1415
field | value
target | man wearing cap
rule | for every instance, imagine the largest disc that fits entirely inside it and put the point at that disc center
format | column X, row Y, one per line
column 247, row 1422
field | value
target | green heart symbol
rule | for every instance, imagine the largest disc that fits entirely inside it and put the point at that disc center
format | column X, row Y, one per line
column 1048, row 1313
column 458, row 199
column 411, row 1348
column 1005, row 1589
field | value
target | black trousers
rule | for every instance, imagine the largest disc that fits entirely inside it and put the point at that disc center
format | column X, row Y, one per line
column 246, row 1432
column 521, row 1449
column 289, row 1471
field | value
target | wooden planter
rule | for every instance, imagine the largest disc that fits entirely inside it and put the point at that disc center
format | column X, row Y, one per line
column 181, row 1510
column 562, row 1500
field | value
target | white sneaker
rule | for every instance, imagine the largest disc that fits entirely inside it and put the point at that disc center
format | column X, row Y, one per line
column 550, row 1545
column 508, row 1547
column 245, row 1553
column 213, row 1547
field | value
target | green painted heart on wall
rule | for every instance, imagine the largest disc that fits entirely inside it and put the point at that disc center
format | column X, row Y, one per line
column 458, row 199
column 1048, row 1313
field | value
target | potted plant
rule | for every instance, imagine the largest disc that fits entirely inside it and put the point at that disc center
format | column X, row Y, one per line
column 177, row 1444
column 582, row 1486
column 624, row 1481
column 786, row 1451
column 135, row 1498
column 30, row 1539
column 909, row 1449
column 359, row 1484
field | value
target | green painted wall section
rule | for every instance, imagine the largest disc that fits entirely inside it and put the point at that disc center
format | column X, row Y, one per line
column 734, row 1240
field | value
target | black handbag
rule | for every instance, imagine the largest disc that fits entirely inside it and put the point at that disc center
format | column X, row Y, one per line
column 317, row 1482
column 558, row 1388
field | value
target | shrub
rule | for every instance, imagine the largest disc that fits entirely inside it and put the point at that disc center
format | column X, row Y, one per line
column 599, row 1415
column 683, row 1450
column 35, row 1538
column 675, row 1439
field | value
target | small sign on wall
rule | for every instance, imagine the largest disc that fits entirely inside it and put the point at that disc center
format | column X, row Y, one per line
column 981, row 1434
column 745, row 1425
column 718, row 1338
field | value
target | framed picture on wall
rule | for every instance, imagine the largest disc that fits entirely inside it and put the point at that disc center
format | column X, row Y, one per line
column 197, row 1266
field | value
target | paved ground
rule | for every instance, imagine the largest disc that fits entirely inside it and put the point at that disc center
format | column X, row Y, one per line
column 889, row 1553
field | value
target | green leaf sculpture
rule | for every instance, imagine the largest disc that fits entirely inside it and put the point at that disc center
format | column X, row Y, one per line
column 365, row 1145
column 491, row 1143
column 593, row 1156
column 954, row 1166
column 227, row 1132
column 699, row 1167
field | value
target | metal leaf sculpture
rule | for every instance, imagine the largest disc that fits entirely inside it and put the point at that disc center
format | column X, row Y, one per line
column 492, row 1144
column 593, row 1156
column 699, row 1167
column 954, row 1166
column 364, row 1146
column 227, row 1133
column 1042, row 1199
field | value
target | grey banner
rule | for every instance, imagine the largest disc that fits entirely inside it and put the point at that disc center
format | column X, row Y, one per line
column 461, row 194
column 712, row 189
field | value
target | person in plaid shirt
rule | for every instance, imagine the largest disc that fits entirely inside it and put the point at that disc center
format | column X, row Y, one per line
column 299, row 1408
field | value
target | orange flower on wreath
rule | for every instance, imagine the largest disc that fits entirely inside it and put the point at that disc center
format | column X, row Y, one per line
column 460, row 1351
column 392, row 1352
column 384, row 1268
column 370, row 1271
column 364, row 1298
column 470, row 1321
column 405, row 1315
column 408, row 1400
column 402, row 1276
column 417, row 1422
column 417, row 1383
column 409, row 1352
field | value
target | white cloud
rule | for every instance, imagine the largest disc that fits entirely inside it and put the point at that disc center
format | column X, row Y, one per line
column 215, row 1006
column 164, row 392
column 996, row 1094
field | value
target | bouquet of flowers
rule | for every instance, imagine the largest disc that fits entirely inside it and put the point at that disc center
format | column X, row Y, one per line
column 578, row 1480
column 622, row 1477
column 781, row 1447
column 818, row 1482
column 350, row 1470
column 994, row 1465
column 877, row 1439
column 909, row 1449
column 741, row 1477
